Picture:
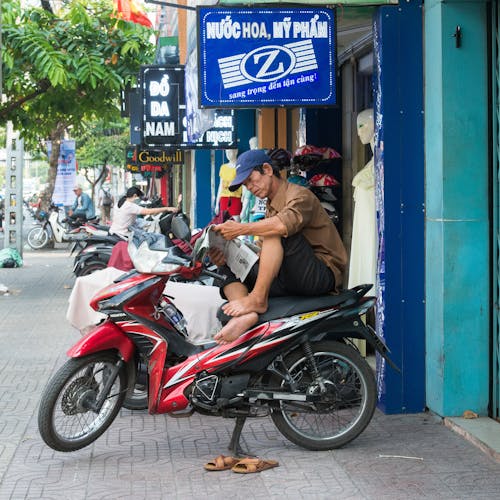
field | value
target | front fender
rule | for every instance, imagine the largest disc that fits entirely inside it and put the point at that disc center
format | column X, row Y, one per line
column 103, row 337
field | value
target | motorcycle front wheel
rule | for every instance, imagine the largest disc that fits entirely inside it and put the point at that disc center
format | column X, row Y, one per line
column 346, row 397
column 138, row 400
column 66, row 420
column 96, row 265
column 38, row 237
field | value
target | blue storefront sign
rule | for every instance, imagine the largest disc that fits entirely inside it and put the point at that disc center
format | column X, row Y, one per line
column 266, row 57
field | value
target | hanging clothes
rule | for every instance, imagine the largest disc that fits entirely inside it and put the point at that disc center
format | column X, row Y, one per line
column 364, row 244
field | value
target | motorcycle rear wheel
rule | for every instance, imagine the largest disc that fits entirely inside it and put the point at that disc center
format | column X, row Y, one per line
column 65, row 420
column 38, row 237
column 342, row 413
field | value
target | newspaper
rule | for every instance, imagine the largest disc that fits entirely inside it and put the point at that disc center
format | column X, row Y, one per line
column 240, row 255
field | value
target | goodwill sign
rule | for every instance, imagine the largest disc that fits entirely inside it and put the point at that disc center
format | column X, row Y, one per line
column 266, row 57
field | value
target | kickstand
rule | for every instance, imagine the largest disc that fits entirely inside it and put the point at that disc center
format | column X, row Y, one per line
column 234, row 446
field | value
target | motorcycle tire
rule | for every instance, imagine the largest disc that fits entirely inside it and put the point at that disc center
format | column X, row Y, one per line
column 38, row 238
column 138, row 400
column 344, row 410
column 91, row 267
column 65, row 420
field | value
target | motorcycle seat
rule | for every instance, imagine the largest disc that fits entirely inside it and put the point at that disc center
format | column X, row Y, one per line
column 283, row 307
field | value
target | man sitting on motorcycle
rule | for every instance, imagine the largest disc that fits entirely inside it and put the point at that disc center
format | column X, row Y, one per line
column 301, row 254
column 82, row 208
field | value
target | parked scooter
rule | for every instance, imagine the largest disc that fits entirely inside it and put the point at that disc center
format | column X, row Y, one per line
column 95, row 252
column 52, row 230
column 92, row 258
column 296, row 364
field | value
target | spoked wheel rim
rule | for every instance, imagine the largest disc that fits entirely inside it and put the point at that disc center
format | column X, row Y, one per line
column 72, row 417
column 340, row 408
column 37, row 238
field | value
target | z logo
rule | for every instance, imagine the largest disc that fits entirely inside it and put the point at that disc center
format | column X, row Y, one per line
column 265, row 58
column 268, row 63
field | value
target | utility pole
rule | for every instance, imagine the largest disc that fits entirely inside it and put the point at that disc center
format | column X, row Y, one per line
column 13, row 211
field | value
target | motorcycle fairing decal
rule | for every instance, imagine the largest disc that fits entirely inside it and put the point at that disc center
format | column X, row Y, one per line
column 310, row 317
column 134, row 327
column 178, row 377
column 244, row 340
column 271, row 336
column 264, row 344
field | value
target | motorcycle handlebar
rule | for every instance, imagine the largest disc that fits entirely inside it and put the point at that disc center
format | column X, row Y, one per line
column 212, row 274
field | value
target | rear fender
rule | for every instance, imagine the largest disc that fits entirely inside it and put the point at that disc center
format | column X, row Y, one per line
column 103, row 337
column 355, row 328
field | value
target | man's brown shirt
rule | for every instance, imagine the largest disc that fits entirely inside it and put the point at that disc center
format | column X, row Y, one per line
column 301, row 212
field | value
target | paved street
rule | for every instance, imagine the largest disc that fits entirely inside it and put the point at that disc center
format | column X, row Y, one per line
column 160, row 457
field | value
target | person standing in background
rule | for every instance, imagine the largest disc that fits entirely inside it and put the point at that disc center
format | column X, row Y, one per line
column 105, row 202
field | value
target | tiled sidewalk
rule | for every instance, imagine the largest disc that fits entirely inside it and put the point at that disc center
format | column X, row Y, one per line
column 158, row 457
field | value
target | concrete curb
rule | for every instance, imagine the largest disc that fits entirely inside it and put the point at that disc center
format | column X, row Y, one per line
column 482, row 432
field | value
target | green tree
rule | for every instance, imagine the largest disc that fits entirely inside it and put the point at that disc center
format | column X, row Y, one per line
column 62, row 70
column 102, row 145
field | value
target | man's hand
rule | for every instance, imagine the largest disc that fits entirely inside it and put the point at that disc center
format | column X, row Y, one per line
column 216, row 256
column 229, row 229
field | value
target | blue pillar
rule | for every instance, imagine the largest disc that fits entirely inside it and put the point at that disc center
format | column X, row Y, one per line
column 245, row 128
column 457, row 217
column 399, row 165
column 203, row 213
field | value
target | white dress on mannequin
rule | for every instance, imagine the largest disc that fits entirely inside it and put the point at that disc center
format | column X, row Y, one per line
column 363, row 261
column 364, row 244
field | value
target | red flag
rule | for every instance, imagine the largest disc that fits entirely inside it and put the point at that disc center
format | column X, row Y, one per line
column 128, row 10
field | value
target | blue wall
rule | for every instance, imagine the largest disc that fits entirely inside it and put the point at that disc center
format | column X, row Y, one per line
column 399, row 163
column 457, row 212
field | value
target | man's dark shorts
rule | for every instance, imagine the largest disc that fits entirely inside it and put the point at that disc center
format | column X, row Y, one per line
column 301, row 272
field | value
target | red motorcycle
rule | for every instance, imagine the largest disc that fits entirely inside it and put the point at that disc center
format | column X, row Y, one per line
column 296, row 365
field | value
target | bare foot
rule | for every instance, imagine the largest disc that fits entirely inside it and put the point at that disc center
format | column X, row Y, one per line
column 245, row 305
column 235, row 327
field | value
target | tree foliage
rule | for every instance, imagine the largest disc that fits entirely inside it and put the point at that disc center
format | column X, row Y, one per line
column 63, row 70
column 102, row 145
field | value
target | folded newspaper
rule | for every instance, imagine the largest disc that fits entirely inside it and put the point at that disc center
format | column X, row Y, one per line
column 240, row 255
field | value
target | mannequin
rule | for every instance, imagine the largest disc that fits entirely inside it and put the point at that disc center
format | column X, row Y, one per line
column 253, row 142
column 227, row 200
column 363, row 260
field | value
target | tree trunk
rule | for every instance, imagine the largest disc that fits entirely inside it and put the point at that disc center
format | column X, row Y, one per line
column 56, row 137
column 96, row 180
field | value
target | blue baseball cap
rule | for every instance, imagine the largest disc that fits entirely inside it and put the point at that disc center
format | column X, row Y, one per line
column 245, row 163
